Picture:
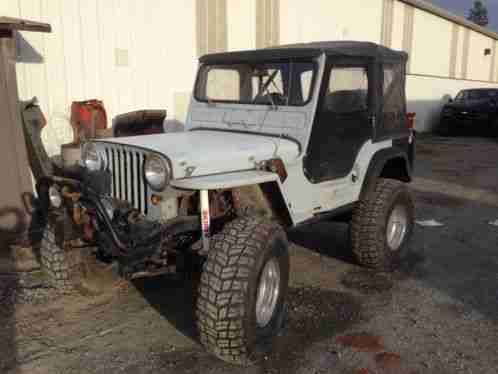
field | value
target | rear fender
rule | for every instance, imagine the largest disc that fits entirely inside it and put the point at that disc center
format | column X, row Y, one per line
column 387, row 163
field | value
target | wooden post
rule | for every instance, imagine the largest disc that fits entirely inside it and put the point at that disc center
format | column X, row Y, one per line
column 15, row 178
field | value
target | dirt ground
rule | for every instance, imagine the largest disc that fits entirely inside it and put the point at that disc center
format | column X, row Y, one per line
column 438, row 314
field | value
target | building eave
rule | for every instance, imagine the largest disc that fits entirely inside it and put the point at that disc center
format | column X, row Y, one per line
column 433, row 9
column 9, row 24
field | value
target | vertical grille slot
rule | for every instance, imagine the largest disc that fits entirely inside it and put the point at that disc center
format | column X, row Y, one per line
column 133, row 178
column 139, row 185
column 118, row 173
column 110, row 167
column 126, row 165
column 122, row 180
column 113, row 171
column 127, row 182
column 145, row 187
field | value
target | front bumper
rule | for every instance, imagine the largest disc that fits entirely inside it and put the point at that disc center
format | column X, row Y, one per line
column 125, row 233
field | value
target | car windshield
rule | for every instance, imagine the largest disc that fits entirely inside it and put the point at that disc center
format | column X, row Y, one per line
column 477, row 95
column 262, row 83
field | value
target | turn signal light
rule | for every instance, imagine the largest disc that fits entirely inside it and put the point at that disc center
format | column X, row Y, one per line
column 410, row 120
column 156, row 199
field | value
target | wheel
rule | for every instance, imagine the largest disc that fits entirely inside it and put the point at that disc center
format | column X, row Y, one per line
column 53, row 259
column 382, row 225
column 242, row 291
column 492, row 130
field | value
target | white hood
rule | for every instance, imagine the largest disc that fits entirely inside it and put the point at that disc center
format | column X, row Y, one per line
column 213, row 152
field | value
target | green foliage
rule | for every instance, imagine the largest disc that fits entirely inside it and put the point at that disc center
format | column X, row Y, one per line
column 479, row 14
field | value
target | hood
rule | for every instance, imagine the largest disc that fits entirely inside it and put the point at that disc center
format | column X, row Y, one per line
column 197, row 153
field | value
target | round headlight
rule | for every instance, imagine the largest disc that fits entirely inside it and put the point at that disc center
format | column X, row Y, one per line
column 91, row 158
column 157, row 173
column 55, row 196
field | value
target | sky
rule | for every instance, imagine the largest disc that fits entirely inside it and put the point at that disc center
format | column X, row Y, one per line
column 461, row 7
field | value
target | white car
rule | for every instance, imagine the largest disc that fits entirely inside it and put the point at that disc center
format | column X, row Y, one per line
column 274, row 138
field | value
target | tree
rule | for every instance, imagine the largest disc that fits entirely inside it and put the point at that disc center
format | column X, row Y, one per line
column 479, row 14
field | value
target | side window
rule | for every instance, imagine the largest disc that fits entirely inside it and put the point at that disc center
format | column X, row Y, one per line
column 393, row 108
column 348, row 90
column 223, row 85
column 302, row 82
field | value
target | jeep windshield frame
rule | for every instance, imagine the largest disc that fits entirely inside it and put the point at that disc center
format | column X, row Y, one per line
column 267, row 82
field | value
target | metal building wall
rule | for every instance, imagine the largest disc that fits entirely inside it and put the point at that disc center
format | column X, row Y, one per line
column 143, row 54
column 15, row 179
column 446, row 53
column 132, row 54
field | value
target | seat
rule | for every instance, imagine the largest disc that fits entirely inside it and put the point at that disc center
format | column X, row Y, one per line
column 346, row 101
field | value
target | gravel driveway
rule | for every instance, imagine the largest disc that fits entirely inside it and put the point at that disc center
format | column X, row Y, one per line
column 438, row 314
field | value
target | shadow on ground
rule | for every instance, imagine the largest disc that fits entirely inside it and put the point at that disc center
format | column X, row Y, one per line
column 173, row 298
column 9, row 283
column 326, row 238
column 461, row 257
column 314, row 315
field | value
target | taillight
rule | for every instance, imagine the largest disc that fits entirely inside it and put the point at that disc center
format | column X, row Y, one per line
column 410, row 120
column 277, row 166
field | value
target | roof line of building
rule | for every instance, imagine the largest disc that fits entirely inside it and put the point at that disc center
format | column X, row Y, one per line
column 431, row 8
column 9, row 23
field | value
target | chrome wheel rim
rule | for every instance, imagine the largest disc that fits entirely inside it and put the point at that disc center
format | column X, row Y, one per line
column 397, row 226
column 268, row 292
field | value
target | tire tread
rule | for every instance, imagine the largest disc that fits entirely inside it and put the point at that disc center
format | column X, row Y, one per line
column 367, row 241
column 223, row 286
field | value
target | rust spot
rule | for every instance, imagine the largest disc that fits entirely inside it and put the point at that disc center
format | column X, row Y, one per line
column 361, row 342
column 388, row 361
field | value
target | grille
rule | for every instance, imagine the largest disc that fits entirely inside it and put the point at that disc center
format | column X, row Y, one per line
column 127, row 182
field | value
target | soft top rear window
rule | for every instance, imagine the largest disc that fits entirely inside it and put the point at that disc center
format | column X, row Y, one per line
column 264, row 83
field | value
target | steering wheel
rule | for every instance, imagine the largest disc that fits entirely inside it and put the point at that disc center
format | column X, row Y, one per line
column 271, row 98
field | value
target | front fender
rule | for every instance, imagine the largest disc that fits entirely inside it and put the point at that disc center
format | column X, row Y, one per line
column 225, row 181
column 269, row 182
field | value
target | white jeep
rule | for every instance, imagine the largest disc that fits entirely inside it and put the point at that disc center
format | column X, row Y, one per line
column 274, row 138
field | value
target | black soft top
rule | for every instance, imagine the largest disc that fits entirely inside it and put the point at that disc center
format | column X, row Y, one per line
column 303, row 50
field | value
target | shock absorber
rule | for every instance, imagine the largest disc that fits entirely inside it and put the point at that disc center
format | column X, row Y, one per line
column 205, row 218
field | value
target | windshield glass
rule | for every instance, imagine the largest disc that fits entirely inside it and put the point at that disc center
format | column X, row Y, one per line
column 477, row 95
column 282, row 83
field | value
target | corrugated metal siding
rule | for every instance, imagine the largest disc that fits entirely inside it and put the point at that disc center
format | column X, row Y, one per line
column 211, row 26
column 142, row 54
column 129, row 53
column 13, row 157
column 387, row 22
column 267, row 23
